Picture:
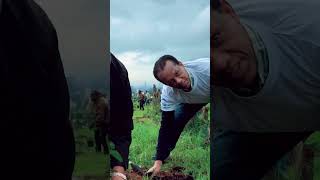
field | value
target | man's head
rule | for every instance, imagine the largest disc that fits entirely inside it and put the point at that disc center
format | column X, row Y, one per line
column 95, row 95
column 171, row 72
column 234, row 61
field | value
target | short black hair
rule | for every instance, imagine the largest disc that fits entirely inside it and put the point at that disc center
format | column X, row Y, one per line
column 95, row 95
column 161, row 62
column 215, row 5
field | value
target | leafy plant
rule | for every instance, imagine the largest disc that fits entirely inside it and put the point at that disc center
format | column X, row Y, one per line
column 114, row 153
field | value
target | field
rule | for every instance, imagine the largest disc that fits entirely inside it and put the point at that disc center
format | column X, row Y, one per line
column 192, row 151
column 305, row 167
column 89, row 164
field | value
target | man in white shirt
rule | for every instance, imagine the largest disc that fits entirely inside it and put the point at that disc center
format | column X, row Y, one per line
column 185, row 91
column 266, row 74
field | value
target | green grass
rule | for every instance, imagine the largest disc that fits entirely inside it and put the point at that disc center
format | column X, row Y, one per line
column 316, row 168
column 294, row 173
column 314, row 142
column 190, row 152
column 88, row 162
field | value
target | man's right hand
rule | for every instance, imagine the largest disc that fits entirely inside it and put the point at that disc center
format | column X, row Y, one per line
column 155, row 169
column 118, row 169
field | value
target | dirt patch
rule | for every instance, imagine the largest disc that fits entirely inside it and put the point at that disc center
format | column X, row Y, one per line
column 141, row 119
column 89, row 178
column 174, row 174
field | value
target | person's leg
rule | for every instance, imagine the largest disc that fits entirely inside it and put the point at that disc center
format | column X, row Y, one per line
column 104, row 141
column 97, row 140
column 182, row 115
column 249, row 156
column 142, row 103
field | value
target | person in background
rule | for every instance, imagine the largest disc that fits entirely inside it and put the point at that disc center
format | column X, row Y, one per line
column 141, row 100
column 101, row 111
column 147, row 98
column 156, row 95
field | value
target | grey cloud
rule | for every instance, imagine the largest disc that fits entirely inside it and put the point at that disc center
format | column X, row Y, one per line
column 83, row 32
column 158, row 26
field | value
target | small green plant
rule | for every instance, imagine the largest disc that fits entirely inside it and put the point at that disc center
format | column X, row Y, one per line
column 114, row 153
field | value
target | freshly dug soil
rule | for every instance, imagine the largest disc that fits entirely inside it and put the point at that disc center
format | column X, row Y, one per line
column 174, row 174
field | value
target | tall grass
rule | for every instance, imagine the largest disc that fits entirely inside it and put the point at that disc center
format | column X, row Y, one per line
column 88, row 162
column 299, row 163
column 191, row 151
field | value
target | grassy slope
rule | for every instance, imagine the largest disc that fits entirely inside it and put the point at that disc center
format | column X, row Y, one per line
column 88, row 162
column 314, row 142
column 190, row 152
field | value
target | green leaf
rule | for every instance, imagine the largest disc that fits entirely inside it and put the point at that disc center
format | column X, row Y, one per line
column 114, row 153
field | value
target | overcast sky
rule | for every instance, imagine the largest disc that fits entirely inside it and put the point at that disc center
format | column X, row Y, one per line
column 83, row 32
column 143, row 30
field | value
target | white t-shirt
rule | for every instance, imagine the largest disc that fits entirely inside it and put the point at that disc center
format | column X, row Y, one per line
column 290, row 98
column 199, row 69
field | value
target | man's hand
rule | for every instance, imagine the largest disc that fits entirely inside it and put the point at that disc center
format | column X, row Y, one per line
column 116, row 178
column 118, row 169
column 155, row 169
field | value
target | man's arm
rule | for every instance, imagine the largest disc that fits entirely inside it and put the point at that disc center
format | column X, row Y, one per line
column 163, row 151
column 164, row 143
column 121, row 111
column 122, row 143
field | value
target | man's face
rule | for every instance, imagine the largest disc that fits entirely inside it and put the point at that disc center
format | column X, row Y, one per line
column 175, row 76
column 234, row 62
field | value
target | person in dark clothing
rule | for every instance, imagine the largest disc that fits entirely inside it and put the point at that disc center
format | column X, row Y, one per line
column 101, row 109
column 37, row 137
column 141, row 100
column 100, row 140
column 121, row 111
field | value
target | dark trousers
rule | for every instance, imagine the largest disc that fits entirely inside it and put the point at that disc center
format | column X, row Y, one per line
column 249, row 156
column 141, row 105
column 100, row 140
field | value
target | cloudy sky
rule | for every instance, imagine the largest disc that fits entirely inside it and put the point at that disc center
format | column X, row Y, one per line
column 83, row 32
column 143, row 30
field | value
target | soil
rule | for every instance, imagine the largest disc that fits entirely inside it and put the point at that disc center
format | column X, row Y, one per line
column 174, row 174
column 141, row 119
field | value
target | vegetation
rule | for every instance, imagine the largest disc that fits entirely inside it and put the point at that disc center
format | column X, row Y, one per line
column 192, row 152
column 89, row 162
column 309, row 166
